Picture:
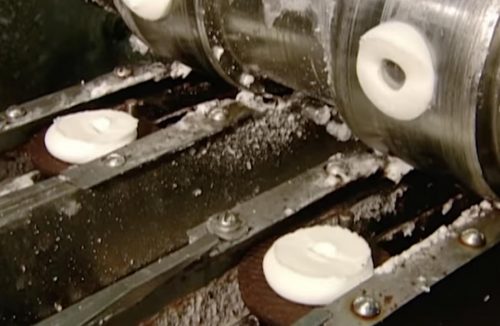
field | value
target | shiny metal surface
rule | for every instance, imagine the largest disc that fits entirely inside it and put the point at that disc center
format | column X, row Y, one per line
column 312, row 46
column 366, row 307
column 444, row 137
column 473, row 238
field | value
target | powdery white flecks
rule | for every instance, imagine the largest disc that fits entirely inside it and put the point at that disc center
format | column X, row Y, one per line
column 18, row 183
column 247, row 80
column 342, row 169
column 179, row 70
column 444, row 232
column 396, row 169
column 339, row 130
column 218, row 51
column 138, row 45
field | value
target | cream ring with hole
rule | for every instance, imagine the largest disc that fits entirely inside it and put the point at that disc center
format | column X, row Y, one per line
column 317, row 265
column 151, row 10
column 85, row 136
column 406, row 48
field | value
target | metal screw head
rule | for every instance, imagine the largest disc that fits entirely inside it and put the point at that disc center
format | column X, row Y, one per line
column 218, row 114
column 366, row 307
column 227, row 226
column 228, row 221
column 115, row 160
column 15, row 112
column 473, row 238
column 123, row 72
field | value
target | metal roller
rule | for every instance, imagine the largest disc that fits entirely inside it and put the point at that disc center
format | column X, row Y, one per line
column 313, row 47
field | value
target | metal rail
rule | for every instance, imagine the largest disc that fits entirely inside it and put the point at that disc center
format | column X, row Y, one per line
column 414, row 272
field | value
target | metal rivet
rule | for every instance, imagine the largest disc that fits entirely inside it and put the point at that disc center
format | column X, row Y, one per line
column 15, row 112
column 473, row 238
column 218, row 114
column 366, row 307
column 227, row 226
column 115, row 160
column 123, row 72
column 228, row 221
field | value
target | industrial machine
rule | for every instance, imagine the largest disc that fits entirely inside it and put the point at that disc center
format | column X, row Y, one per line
column 256, row 117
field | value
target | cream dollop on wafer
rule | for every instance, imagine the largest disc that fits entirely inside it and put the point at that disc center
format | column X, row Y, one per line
column 85, row 136
column 315, row 266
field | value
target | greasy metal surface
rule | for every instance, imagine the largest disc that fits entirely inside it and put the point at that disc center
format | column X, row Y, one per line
column 17, row 131
column 415, row 275
column 46, row 45
column 313, row 47
column 121, row 295
column 60, row 244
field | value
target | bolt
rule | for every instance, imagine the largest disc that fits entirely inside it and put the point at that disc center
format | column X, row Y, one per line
column 366, row 307
column 123, row 72
column 115, row 160
column 228, row 221
column 15, row 112
column 218, row 114
column 228, row 226
column 473, row 238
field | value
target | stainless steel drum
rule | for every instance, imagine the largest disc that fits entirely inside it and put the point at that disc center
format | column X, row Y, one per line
column 313, row 46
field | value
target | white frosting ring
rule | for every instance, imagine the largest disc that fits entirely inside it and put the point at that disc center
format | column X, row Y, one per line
column 85, row 136
column 316, row 266
column 404, row 45
column 151, row 10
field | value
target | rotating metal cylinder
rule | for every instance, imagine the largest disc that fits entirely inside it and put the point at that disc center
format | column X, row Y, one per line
column 314, row 47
